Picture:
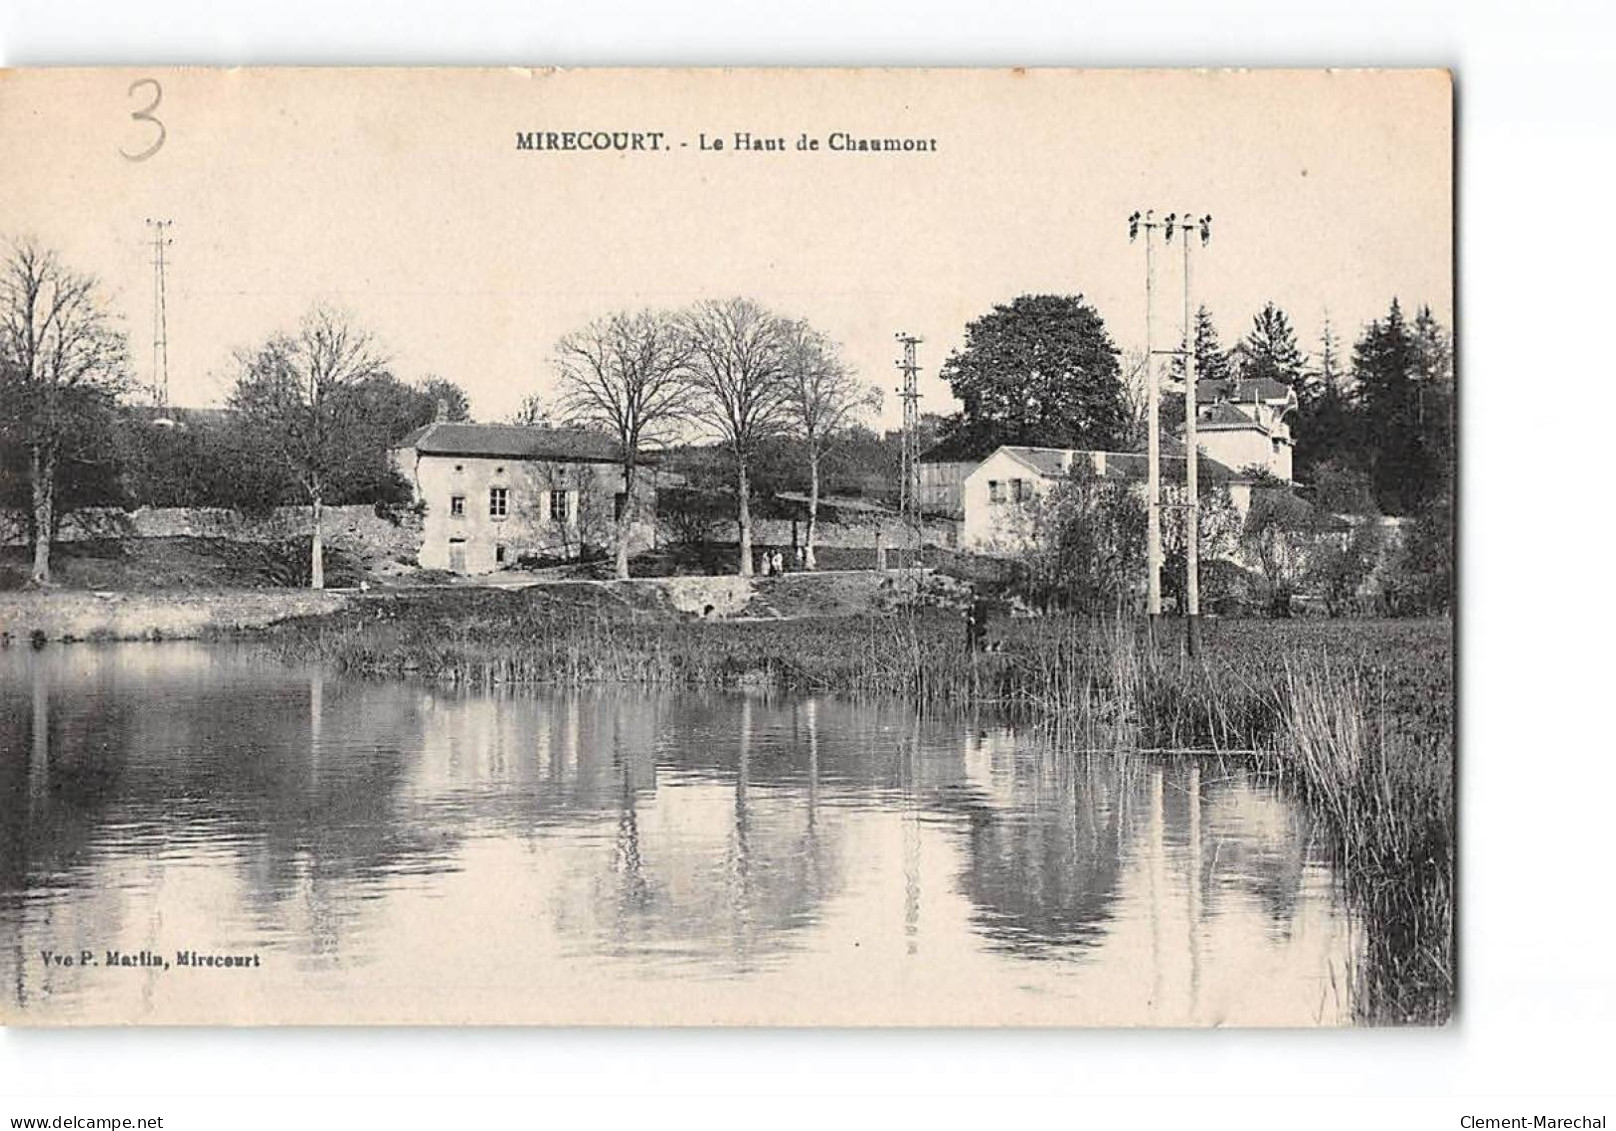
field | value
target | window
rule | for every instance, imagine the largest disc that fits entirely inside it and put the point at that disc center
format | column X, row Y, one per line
column 1018, row 490
column 995, row 491
column 457, row 506
column 618, row 503
column 499, row 553
column 558, row 506
column 498, row 502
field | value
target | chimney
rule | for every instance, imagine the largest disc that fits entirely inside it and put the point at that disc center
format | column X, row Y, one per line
column 441, row 412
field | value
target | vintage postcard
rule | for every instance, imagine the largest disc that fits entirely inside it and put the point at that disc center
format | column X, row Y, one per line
column 726, row 547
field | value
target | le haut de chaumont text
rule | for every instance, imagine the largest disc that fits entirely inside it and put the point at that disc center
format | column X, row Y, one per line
column 656, row 141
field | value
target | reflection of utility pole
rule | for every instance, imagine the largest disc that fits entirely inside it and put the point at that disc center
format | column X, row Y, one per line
column 911, row 845
column 160, row 240
column 1195, row 886
column 1192, row 451
column 1153, row 538
column 909, row 488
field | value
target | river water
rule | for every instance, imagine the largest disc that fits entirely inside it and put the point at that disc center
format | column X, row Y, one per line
column 388, row 851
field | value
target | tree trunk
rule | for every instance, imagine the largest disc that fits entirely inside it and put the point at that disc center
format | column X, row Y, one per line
column 745, row 518
column 813, row 509
column 42, row 480
column 625, row 521
column 316, row 551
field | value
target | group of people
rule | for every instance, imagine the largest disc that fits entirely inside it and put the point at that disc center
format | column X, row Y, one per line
column 772, row 562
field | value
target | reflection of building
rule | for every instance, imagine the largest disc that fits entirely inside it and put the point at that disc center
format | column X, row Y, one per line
column 496, row 492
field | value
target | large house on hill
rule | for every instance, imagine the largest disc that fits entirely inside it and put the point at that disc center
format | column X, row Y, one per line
column 494, row 493
column 1246, row 424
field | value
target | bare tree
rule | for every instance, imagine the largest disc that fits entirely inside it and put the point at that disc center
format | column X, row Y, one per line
column 738, row 366
column 61, row 360
column 302, row 393
column 627, row 374
column 1135, row 400
column 823, row 398
column 533, row 412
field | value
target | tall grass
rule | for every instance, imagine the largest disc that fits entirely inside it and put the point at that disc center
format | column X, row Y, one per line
column 1354, row 717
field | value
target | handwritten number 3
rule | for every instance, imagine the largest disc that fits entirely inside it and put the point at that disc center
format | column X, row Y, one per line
column 145, row 115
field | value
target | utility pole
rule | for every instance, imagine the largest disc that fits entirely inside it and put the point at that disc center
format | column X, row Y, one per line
column 1187, row 225
column 1153, row 538
column 909, row 488
column 160, row 241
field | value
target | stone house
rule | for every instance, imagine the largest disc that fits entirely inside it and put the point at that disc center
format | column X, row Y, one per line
column 495, row 494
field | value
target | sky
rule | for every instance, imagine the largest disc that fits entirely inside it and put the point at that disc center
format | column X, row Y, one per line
column 402, row 198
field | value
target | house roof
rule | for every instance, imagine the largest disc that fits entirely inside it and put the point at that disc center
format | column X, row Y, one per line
column 1263, row 389
column 1045, row 461
column 515, row 441
column 1223, row 417
column 954, row 451
column 1051, row 464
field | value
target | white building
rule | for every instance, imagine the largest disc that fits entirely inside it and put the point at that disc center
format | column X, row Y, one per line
column 493, row 493
column 1245, row 424
column 998, row 494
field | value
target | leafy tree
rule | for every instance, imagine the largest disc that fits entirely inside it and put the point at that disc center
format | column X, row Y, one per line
column 1419, row 576
column 1269, row 350
column 627, row 375
column 866, row 464
column 1040, row 371
column 1338, row 566
column 199, row 463
column 823, row 398
column 1082, row 544
column 62, row 366
column 303, row 400
column 445, row 398
column 1219, row 525
column 1340, row 489
column 1277, row 536
column 738, row 365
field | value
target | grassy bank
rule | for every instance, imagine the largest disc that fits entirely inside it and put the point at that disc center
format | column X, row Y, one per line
column 1355, row 717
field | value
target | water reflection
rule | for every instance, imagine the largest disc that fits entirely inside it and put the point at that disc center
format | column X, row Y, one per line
column 400, row 852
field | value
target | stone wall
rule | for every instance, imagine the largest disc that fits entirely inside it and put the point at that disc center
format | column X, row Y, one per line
column 851, row 533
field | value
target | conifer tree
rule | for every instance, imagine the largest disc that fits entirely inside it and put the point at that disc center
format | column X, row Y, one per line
column 1269, row 350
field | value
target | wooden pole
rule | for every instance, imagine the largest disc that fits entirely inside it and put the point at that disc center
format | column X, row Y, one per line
column 1192, row 512
column 1153, row 537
